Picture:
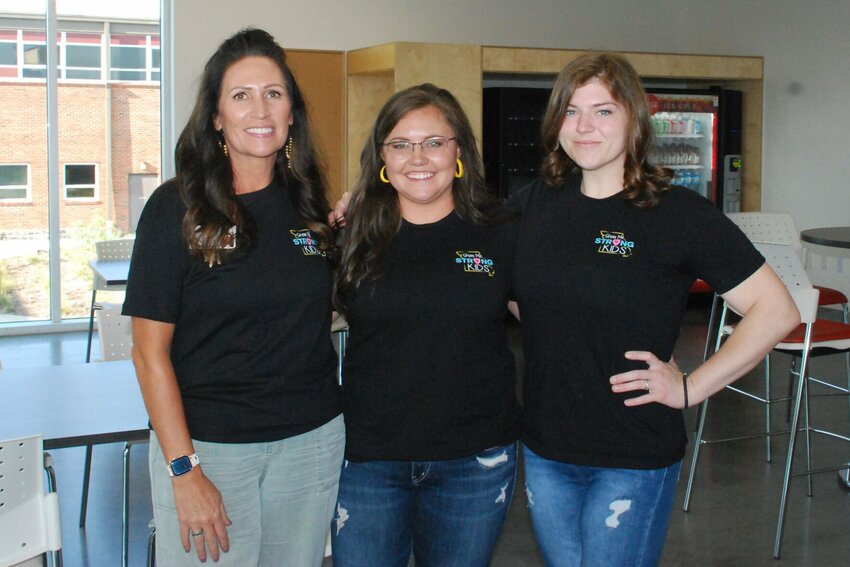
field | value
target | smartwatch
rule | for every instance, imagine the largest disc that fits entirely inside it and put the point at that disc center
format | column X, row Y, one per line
column 182, row 465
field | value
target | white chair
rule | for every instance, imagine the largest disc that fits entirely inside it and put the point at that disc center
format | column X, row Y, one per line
column 779, row 228
column 114, row 331
column 106, row 250
column 29, row 517
column 116, row 343
column 813, row 337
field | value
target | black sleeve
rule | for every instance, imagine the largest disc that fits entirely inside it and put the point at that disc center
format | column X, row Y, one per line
column 716, row 249
column 157, row 268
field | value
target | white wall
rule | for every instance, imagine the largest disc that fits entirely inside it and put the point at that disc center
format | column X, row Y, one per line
column 806, row 47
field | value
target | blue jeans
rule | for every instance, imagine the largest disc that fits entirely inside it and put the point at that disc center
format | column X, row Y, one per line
column 279, row 495
column 599, row 516
column 447, row 513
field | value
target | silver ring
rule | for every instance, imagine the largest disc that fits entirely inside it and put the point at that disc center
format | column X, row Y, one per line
column 646, row 384
column 197, row 533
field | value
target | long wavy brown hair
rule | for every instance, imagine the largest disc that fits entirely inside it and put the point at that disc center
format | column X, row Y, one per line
column 373, row 217
column 642, row 181
column 205, row 176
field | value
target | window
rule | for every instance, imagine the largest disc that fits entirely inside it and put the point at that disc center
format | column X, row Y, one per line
column 8, row 53
column 14, row 182
column 82, row 56
column 80, row 181
column 128, row 54
column 35, row 61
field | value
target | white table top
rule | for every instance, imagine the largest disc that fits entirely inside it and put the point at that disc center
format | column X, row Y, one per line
column 73, row 405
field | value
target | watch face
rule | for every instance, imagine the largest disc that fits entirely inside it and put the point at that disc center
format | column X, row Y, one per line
column 181, row 465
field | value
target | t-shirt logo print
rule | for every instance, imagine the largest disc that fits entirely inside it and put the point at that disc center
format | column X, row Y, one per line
column 304, row 238
column 473, row 262
column 616, row 243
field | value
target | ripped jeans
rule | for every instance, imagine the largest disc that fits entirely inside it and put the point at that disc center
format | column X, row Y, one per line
column 587, row 516
column 447, row 513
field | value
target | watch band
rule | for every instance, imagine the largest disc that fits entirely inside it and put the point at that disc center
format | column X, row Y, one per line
column 182, row 465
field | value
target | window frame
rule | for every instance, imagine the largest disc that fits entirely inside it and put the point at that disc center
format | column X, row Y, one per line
column 95, row 186
column 27, row 187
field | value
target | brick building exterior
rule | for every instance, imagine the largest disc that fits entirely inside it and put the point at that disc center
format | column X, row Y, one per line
column 88, row 113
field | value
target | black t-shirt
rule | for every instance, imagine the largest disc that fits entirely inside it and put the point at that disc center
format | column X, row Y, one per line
column 428, row 374
column 598, row 277
column 252, row 344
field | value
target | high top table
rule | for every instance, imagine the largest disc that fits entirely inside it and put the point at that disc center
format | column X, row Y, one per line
column 76, row 405
column 834, row 236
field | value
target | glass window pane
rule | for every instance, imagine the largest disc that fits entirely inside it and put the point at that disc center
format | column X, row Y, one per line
column 155, row 76
column 79, row 174
column 82, row 56
column 126, row 57
column 16, row 193
column 82, row 74
column 35, row 73
column 79, row 192
column 156, row 60
column 13, row 175
column 35, row 54
column 127, row 75
column 8, row 54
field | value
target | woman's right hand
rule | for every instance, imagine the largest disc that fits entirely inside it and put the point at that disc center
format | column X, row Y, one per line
column 201, row 514
column 336, row 218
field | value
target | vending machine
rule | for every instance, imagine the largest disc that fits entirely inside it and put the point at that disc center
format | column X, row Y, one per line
column 698, row 136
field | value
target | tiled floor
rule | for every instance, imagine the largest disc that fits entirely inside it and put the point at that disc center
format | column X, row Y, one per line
column 731, row 522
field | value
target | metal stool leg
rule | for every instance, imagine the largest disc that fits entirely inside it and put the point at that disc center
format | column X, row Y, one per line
column 91, row 325
column 151, row 562
column 695, row 457
column 125, row 517
column 51, row 487
column 84, row 504
column 789, row 458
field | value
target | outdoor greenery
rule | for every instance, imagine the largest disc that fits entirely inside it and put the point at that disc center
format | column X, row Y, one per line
column 25, row 282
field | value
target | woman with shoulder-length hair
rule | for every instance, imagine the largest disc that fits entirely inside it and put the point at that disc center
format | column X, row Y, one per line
column 230, row 294
column 429, row 383
column 610, row 251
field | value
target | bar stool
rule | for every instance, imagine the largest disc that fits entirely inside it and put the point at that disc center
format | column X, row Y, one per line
column 813, row 337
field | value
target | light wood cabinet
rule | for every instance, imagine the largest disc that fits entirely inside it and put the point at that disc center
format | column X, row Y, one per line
column 375, row 73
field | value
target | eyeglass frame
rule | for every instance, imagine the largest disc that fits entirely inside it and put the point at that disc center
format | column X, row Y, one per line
column 405, row 153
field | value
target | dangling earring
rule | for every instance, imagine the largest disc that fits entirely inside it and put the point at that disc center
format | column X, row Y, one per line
column 459, row 172
column 221, row 143
column 287, row 151
column 383, row 175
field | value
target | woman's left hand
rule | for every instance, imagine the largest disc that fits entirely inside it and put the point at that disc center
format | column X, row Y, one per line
column 662, row 381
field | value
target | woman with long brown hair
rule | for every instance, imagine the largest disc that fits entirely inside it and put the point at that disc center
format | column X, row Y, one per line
column 609, row 251
column 230, row 294
column 430, row 406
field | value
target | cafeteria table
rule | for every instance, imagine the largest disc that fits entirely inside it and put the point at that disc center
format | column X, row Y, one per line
column 76, row 405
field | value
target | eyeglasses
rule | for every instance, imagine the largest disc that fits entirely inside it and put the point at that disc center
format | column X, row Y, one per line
column 429, row 146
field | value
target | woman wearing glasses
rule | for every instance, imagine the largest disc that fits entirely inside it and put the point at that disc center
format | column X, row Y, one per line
column 430, row 406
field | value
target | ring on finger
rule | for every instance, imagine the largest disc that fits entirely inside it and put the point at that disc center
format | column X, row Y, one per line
column 196, row 533
column 646, row 384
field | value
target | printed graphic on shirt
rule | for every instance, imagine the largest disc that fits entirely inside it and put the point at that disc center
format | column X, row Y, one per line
column 616, row 243
column 229, row 240
column 472, row 261
column 305, row 239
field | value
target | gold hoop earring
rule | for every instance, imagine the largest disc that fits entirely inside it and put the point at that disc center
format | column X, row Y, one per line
column 459, row 172
column 383, row 175
column 287, row 151
column 221, row 143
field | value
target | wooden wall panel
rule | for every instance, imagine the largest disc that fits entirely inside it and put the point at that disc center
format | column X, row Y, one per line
column 366, row 96
column 321, row 77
